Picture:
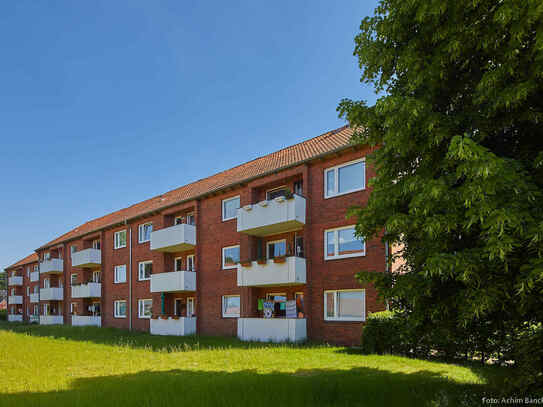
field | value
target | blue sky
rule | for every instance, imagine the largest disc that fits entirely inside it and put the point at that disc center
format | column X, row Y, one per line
column 107, row 103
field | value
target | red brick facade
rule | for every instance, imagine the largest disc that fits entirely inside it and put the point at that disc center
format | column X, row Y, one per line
column 212, row 235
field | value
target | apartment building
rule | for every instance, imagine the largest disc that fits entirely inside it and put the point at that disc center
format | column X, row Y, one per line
column 262, row 251
column 23, row 290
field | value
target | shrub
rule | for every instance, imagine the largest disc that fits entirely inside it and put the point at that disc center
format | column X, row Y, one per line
column 3, row 315
column 383, row 333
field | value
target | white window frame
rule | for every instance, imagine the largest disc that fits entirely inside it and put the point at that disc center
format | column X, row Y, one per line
column 336, row 245
column 193, row 268
column 336, row 318
column 96, row 243
column 224, row 267
column 97, row 276
column 46, row 309
column 27, row 291
column 140, row 270
column 116, row 239
column 116, row 269
column 72, row 278
column 190, row 214
column 46, row 283
column 274, row 189
column 115, row 314
column 190, row 300
column 228, row 200
column 336, row 179
column 224, row 315
column 72, row 307
column 141, row 308
column 36, row 269
column 175, row 264
column 273, row 242
column 141, row 230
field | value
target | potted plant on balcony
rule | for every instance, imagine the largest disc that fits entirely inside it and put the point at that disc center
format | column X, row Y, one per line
column 261, row 260
column 245, row 263
column 175, row 317
column 280, row 259
column 163, row 317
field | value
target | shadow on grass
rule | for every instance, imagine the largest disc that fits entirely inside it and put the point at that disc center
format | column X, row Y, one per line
column 319, row 387
column 134, row 339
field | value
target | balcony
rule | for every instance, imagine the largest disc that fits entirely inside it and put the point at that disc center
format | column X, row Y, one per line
column 170, row 326
column 279, row 215
column 86, row 320
column 34, row 276
column 34, row 319
column 15, row 300
column 51, row 319
column 174, row 281
column 51, row 294
column 89, row 290
column 51, row 266
column 87, row 258
column 289, row 271
column 15, row 318
column 174, row 239
column 272, row 329
column 34, row 297
column 15, row 280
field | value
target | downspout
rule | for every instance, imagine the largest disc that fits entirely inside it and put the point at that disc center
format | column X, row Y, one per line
column 387, row 267
column 130, row 280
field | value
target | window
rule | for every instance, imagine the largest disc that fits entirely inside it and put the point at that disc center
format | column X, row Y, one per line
column 145, row 308
column 46, row 309
column 119, row 309
column 13, row 291
column 46, row 256
column 120, row 274
column 299, row 187
column 191, row 220
column 341, row 243
column 345, row 178
column 276, row 192
column 230, row 306
column 73, row 308
column 190, row 262
column 96, row 276
column 230, row 208
column 36, row 309
column 277, row 248
column 73, row 249
column 73, row 278
column 36, row 288
column 230, row 257
column 279, row 304
column 27, row 290
column 96, row 244
column 299, row 304
column 144, row 232
column 36, row 268
column 179, row 220
column 191, row 312
column 345, row 305
column 28, row 272
column 119, row 239
column 145, row 270
column 178, row 263
column 45, row 283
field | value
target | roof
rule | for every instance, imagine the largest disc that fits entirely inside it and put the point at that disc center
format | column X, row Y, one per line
column 326, row 143
column 31, row 258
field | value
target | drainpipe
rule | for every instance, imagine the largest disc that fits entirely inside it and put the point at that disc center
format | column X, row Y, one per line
column 130, row 280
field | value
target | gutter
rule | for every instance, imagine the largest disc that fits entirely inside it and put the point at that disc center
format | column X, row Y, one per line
column 203, row 195
column 130, row 281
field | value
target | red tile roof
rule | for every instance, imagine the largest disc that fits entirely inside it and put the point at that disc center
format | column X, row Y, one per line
column 331, row 141
column 31, row 258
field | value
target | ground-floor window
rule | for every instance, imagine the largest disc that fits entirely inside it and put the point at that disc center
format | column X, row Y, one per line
column 299, row 297
column 230, row 306
column 95, row 309
column 145, row 308
column 119, row 309
column 279, row 301
column 345, row 305
column 73, row 308
column 191, row 312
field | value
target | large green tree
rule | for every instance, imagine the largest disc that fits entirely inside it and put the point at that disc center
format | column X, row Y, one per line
column 459, row 125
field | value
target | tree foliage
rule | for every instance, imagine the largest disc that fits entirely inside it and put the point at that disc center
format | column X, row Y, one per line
column 459, row 166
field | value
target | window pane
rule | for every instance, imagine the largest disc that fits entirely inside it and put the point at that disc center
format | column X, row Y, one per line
column 275, row 193
column 231, row 305
column 330, row 183
column 277, row 249
column 231, row 256
column 348, row 243
column 230, row 208
column 122, row 308
column 147, row 306
column 351, row 177
column 178, row 264
column 330, row 243
column 330, row 304
column 351, row 304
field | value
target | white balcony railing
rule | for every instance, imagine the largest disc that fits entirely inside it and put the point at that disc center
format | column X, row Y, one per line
column 272, row 329
column 15, row 280
column 280, row 215
column 290, row 272
column 86, row 320
column 174, row 239
column 89, row 290
column 15, row 318
column 170, row 326
column 34, row 297
column 15, row 299
column 34, row 276
column 51, row 294
column 87, row 258
column 52, row 266
column 173, row 281
column 51, row 319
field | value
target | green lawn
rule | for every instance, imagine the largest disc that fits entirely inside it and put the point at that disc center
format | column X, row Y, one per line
column 62, row 365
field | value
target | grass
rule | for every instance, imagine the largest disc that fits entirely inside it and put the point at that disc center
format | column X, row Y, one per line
column 86, row 366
